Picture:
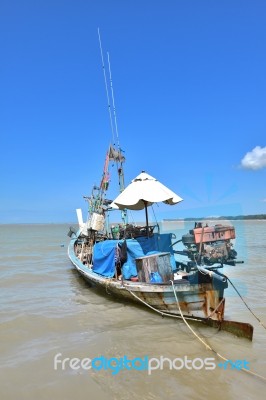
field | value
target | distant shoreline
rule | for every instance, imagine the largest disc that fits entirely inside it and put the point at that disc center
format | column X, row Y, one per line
column 256, row 217
column 232, row 218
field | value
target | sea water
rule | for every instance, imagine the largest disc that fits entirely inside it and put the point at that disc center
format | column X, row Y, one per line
column 50, row 316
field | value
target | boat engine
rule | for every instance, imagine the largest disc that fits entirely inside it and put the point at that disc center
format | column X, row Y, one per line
column 209, row 245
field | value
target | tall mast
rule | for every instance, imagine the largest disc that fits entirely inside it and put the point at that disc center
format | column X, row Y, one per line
column 106, row 87
column 116, row 152
column 113, row 100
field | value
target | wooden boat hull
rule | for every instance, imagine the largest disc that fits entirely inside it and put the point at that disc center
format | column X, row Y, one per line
column 199, row 300
column 203, row 302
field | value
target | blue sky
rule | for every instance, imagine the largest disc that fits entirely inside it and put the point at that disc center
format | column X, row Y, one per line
column 190, row 91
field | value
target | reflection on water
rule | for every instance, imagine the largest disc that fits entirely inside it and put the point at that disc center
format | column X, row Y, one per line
column 47, row 308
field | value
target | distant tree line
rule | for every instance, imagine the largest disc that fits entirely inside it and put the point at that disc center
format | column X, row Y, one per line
column 230, row 217
column 237, row 217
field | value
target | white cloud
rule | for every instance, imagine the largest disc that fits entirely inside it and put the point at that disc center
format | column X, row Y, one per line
column 255, row 159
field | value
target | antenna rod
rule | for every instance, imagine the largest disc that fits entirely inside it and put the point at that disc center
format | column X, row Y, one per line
column 120, row 169
column 113, row 99
column 106, row 86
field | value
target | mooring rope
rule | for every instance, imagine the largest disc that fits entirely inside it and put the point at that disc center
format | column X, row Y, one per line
column 187, row 324
column 215, row 310
column 257, row 318
column 205, row 344
column 158, row 311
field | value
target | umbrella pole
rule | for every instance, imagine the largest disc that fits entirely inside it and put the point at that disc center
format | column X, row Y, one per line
column 147, row 221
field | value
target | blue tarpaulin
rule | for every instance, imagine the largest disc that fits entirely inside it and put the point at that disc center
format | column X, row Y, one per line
column 105, row 253
column 104, row 258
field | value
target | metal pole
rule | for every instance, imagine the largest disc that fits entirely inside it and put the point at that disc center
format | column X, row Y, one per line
column 146, row 214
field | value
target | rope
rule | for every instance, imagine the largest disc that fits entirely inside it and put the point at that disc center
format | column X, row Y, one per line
column 205, row 344
column 226, row 277
column 214, row 311
column 194, row 333
column 184, row 319
column 261, row 323
column 158, row 311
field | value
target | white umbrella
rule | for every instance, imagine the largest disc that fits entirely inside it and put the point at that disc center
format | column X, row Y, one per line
column 143, row 191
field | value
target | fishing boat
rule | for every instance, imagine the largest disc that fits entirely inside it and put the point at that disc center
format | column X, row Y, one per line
column 138, row 263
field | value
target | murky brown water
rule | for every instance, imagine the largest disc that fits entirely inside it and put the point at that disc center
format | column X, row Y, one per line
column 47, row 308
